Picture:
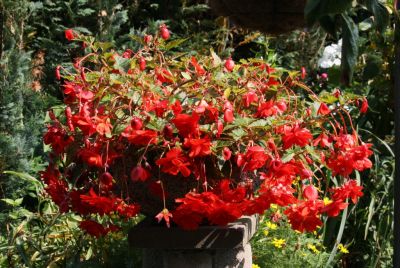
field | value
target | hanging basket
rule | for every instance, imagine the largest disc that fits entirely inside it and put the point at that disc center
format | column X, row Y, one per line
column 269, row 16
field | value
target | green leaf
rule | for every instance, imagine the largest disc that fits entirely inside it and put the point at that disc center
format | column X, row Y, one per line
column 175, row 43
column 86, row 12
column 380, row 12
column 349, row 48
column 186, row 75
column 216, row 59
column 24, row 176
column 287, row 157
column 89, row 253
column 238, row 133
column 12, row 202
column 261, row 123
column 103, row 45
column 243, row 121
column 122, row 64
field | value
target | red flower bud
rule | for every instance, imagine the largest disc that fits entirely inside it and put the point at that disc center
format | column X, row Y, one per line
column 228, row 116
column 136, row 123
column 127, row 54
column 337, row 93
column 240, row 160
column 226, row 153
column 303, row 73
column 324, row 76
column 168, row 131
column 310, row 192
column 139, row 173
column 106, row 181
column 68, row 115
column 164, row 32
column 220, row 128
column 228, row 105
column 69, row 34
column 142, row 63
column 323, row 109
column 147, row 38
column 364, row 106
column 58, row 75
column 229, row 64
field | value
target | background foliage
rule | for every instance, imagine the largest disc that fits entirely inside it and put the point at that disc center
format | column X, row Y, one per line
column 33, row 43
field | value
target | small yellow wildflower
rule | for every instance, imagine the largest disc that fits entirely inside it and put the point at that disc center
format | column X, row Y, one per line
column 274, row 206
column 255, row 266
column 313, row 248
column 266, row 232
column 342, row 248
column 272, row 226
column 327, row 201
column 278, row 243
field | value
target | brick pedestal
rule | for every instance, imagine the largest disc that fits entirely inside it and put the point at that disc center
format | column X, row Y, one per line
column 206, row 247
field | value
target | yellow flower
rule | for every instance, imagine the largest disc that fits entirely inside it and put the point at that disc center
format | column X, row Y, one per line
column 272, row 226
column 274, row 206
column 255, row 266
column 266, row 232
column 313, row 248
column 327, row 201
column 342, row 248
column 278, row 243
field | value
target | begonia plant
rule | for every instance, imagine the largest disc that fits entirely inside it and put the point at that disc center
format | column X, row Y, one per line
column 196, row 140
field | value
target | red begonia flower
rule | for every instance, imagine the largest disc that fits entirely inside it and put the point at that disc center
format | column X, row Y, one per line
column 174, row 162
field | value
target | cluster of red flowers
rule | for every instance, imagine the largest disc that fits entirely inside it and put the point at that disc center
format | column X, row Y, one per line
column 235, row 135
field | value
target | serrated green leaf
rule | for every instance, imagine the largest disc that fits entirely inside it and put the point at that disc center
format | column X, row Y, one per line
column 260, row 123
column 12, row 202
column 122, row 64
column 86, row 12
column 216, row 59
column 243, row 121
column 328, row 99
column 186, row 75
column 287, row 157
column 238, row 133
column 104, row 46
column 174, row 43
column 24, row 176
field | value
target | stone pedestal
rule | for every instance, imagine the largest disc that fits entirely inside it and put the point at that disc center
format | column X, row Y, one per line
column 206, row 247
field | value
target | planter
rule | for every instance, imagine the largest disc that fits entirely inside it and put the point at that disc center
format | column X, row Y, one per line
column 208, row 246
column 270, row 16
